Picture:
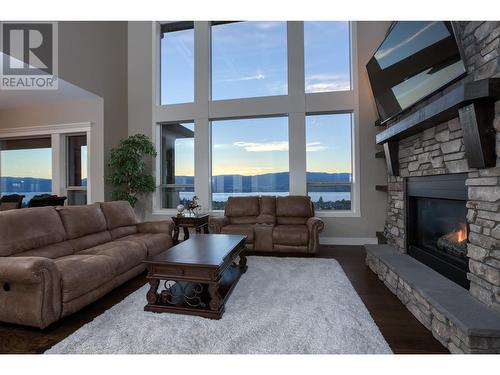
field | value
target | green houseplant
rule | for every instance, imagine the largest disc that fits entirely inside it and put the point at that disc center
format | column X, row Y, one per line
column 127, row 168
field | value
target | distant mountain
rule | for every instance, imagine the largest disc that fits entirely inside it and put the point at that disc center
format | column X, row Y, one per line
column 24, row 184
column 269, row 182
column 27, row 184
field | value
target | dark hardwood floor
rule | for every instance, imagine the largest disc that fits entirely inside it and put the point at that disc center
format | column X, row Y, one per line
column 402, row 331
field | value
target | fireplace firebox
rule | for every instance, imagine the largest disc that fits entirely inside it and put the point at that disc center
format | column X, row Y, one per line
column 437, row 225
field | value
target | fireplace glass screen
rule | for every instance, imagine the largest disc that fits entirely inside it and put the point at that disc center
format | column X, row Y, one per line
column 441, row 226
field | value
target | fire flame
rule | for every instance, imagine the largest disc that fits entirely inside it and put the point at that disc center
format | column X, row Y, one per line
column 460, row 235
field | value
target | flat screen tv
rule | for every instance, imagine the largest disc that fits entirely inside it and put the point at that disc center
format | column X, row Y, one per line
column 414, row 60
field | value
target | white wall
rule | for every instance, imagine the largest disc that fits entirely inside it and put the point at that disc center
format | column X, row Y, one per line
column 360, row 229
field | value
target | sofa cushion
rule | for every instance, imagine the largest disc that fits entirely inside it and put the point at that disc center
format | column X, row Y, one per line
column 294, row 206
column 155, row 242
column 240, row 220
column 82, row 273
column 127, row 253
column 80, row 221
column 242, row 206
column 123, row 231
column 295, row 235
column 289, row 220
column 53, row 251
column 29, row 228
column 118, row 214
column 90, row 240
column 244, row 229
column 267, row 213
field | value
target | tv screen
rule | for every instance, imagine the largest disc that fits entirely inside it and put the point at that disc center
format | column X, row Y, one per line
column 414, row 60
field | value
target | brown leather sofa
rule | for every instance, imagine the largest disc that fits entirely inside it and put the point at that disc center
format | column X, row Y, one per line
column 272, row 224
column 56, row 260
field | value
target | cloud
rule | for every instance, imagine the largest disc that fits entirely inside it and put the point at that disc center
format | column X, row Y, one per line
column 315, row 146
column 327, row 82
column 266, row 25
column 276, row 146
column 262, row 147
column 257, row 76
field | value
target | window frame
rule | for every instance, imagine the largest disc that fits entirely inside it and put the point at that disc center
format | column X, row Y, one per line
column 162, row 185
column 58, row 135
column 166, row 28
column 331, row 184
column 67, row 186
column 211, row 151
column 216, row 23
column 296, row 105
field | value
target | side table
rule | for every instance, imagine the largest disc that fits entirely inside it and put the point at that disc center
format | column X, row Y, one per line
column 198, row 222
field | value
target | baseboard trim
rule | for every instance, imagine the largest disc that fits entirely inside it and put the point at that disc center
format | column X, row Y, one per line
column 348, row 241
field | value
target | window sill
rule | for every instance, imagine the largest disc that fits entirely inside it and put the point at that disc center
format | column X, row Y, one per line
column 334, row 214
column 328, row 214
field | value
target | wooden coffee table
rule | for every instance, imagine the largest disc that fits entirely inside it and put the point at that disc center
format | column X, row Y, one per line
column 197, row 276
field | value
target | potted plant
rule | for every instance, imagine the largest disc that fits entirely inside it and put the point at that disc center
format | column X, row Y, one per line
column 127, row 168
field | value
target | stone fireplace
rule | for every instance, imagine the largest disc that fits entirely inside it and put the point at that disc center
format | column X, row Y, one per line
column 443, row 212
column 440, row 151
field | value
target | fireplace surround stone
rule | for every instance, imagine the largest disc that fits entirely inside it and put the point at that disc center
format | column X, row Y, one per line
column 440, row 150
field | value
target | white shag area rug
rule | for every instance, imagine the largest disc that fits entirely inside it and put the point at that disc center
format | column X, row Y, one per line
column 280, row 306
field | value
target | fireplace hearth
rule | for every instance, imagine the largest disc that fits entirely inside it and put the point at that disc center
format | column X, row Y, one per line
column 437, row 224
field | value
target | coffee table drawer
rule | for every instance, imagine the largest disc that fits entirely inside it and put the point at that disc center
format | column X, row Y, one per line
column 180, row 272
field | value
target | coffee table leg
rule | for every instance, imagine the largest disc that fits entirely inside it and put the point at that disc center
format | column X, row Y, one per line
column 152, row 296
column 243, row 262
column 215, row 298
column 205, row 229
column 198, row 229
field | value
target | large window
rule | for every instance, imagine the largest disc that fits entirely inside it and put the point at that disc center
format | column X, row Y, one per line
column 76, row 168
column 252, row 129
column 329, row 161
column 177, row 63
column 327, row 56
column 26, row 167
column 249, row 157
column 177, row 156
column 249, row 59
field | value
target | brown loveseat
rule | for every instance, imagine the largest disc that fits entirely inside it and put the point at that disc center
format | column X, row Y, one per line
column 54, row 261
column 282, row 224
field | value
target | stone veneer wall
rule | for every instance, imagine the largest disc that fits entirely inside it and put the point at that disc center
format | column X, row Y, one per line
column 440, row 150
column 450, row 335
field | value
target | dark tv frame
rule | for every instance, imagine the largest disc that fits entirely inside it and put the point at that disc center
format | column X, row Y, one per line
column 454, row 80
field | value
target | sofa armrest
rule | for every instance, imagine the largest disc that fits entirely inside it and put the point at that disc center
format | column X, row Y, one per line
column 163, row 226
column 30, row 291
column 314, row 226
column 216, row 223
column 26, row 270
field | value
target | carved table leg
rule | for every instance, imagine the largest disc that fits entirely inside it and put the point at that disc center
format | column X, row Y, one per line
column 186, row 233
column 215, row 297
column 205, row 229
column 152, row 295
column 243, row 262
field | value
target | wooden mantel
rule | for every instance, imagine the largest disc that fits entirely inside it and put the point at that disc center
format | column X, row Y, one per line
column 473, row 102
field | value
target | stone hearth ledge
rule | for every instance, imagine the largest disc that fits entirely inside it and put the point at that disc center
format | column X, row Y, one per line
column 456, row 319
